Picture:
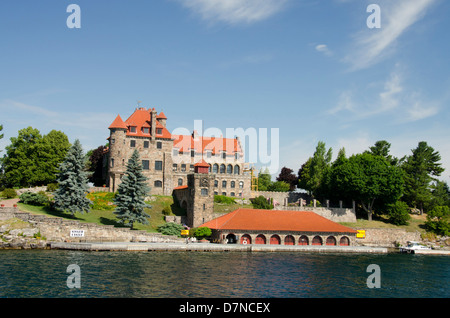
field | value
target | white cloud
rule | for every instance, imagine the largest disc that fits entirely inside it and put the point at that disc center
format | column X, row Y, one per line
column 323, row 48
column 234, row 11
column 372, row 45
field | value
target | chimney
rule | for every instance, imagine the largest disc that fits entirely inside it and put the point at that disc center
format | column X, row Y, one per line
column 153, row 124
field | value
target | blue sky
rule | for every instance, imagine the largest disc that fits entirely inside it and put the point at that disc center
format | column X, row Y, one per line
column 312, row 69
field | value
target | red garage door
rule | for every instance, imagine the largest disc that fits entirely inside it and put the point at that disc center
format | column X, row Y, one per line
column 275, row 239
column 246, row 239
column 289, row 240
column 260, row 239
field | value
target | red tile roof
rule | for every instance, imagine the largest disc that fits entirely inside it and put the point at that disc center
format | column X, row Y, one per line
column 118, row 123
column 275, row 220
column 214, row 144
column 181, row 187
column 202, row 163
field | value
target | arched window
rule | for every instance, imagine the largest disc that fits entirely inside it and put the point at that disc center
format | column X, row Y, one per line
column 216, row 183
column 224, row 183
column 317, row 240
column 158, row 184
column 232, row 184
column 229, row 169
column 237, row 169
column 241, row 185
column 222, row 168
column 180, row 182
column 215, row 168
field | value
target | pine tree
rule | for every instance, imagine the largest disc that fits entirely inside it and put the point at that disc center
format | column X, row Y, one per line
column 72, row 180
column 131, row 194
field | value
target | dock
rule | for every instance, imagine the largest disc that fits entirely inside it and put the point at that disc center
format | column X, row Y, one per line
column 211, row 247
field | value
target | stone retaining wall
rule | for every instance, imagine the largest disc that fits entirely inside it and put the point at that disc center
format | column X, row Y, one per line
column 57, row 229
column 387, row 237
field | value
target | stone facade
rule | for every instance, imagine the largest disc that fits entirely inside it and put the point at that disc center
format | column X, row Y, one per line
column 168, row 159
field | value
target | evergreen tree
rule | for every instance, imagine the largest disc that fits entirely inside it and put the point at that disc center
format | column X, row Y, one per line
column 420, row 169
column 72, row 180
column 131, row 194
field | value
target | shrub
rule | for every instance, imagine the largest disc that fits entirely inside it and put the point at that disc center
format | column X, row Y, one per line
column 38, row 199
column 167, row 210
column 223, row 199
column 261, row 203
column 438, row 220
column 398, row 213
column 202, row 232
column 9, row 193
column 52, row 187
column 170, row 229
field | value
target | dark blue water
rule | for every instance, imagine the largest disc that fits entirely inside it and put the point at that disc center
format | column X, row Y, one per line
column 42, row 273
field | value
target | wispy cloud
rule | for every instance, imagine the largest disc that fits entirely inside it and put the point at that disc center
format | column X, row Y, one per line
column 234, row 11
column 404, row 104
column 372, row 45
column 323, row 48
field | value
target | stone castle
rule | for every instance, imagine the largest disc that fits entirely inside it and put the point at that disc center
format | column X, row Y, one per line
column 168, row 159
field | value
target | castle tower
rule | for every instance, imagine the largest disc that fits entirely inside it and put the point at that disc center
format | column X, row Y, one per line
column 117, row 137
column 200, row 208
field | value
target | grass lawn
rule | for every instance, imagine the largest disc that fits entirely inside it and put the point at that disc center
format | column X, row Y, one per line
column 416, row 223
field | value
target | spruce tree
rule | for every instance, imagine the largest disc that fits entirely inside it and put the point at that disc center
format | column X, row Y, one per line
column 131, row 194
column 72, row 180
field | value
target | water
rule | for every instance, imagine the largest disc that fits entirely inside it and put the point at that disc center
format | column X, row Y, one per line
column 42, row 273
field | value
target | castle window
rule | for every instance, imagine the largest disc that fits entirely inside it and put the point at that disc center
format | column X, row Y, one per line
column 112, row 162
column 158, row 184
column 175, row 167
column 216, row 193
column 236, row 155
column 133, row 129
column 216, row 183
column 192, row 153
column 229, row 169
column 222, row 168
column 183, row 167
column 145, row 164
column 132, row 143
column 159, row 131
column 191, row 168
column 145, row 130
column 215, row 168
column 224, row 155
column 208, row 154
column 237, row 169
column 204, row 192
column 224, row 184
column 232, row 184
column 224, row 193
column 158, row 165
column 241, row 184
column 159, row 145
column 113, row 141
column 180, row 182
column 146, row 143
column 232, row 194
column 175, row 152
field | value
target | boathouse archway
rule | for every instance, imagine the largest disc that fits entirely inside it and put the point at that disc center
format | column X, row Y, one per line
column 303, row 240
column 275, row 240
column 344, row 241
column 246, row 239
column 331, row 240
column 317, row 240
column 260, row 239
column 289, row 240
column 231, row 239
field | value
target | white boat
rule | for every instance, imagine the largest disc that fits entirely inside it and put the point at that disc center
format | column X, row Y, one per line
column 413, row 246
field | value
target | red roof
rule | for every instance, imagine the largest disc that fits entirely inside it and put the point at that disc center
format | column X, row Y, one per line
column 181, row 187
column 186, row 143
column 276, row 220
column 142, row 118
column 118, row 123
column 202, row 163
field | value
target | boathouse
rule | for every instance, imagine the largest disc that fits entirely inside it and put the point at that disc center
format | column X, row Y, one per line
column 257, row 226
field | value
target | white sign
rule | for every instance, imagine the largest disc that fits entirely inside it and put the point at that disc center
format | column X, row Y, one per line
column 76, row 233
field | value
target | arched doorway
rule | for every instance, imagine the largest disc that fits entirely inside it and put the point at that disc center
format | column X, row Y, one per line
column 260, row 239
column 303, row 240
column 275, row 240
column 344, row 241
column 246, row 239
column 231, row 239
column 289, row 240
column 317, row 240
column 331, row 240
